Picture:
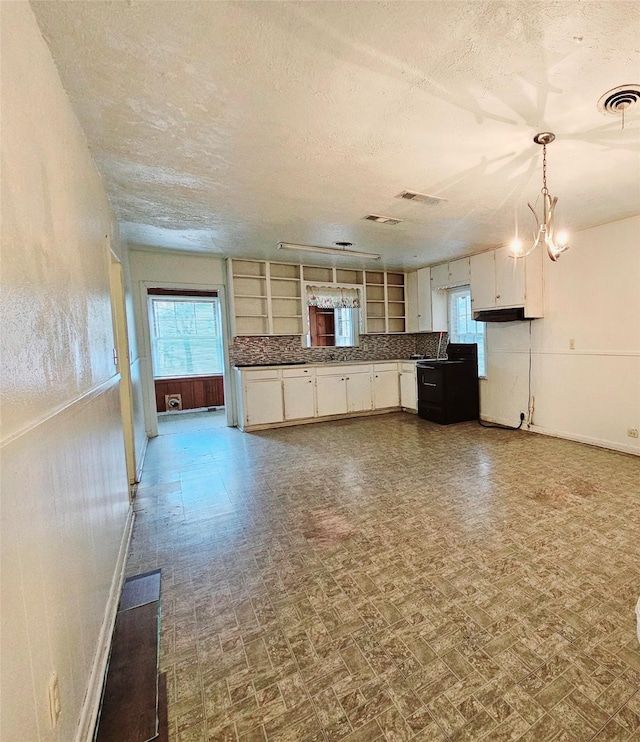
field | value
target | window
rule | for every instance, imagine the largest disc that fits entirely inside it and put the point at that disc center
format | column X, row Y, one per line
column 186, row 336
column 463, row 328
column 334, row 315
column 345, row 324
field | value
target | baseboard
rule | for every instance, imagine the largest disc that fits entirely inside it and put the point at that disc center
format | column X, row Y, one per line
column 323, row 419
column 588, row 440
column 91, row 706
column 140, row 462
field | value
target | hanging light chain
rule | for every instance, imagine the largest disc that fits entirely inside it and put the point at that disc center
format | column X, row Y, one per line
column 545, row 190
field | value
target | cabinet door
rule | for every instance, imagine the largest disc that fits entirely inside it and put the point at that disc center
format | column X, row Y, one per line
column 411, row 301
column 459, row 272
column 509, row 279
column 386, row 391
column 359, row 396
column 263, row 402
column 408, row 390
column 483, row 281
column 424, row 300
column 299, row 398
column 331, row 395
column 440, row 276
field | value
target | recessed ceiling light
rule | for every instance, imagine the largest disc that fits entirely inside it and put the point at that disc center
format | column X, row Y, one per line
column 423, row 198
column 382, row 219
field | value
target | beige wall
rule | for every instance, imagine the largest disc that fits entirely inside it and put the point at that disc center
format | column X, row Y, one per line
column 64, row 486
column 592, row 393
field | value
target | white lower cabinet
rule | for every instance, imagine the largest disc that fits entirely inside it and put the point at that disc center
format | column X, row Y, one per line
column 408, row 386
column 359, row 397
column 299, row 397
column 331, row 395
column 386, row 391
column 263, row 402
column 271, row 396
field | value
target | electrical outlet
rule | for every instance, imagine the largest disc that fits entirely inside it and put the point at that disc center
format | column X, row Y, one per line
column 572, row 344
column 632, row 432
column 53, row 694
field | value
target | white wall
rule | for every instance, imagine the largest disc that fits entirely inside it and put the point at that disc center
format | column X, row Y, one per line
column 149, row 267
column 592, row 393
column 65, row 509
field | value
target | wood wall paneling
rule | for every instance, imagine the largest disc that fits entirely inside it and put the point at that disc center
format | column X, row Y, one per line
column 196, row 391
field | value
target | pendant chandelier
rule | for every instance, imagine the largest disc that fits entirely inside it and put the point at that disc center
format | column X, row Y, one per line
column 544, row 233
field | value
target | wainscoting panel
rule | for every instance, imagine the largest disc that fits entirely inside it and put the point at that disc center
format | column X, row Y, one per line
column 196, row 391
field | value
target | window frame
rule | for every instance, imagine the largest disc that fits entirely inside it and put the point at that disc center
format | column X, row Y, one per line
column 173, row 296
column 455, row 337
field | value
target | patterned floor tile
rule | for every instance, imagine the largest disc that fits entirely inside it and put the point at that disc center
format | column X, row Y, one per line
column 386, row 578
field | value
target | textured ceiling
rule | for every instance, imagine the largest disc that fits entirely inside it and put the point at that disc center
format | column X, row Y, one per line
column 227, row 127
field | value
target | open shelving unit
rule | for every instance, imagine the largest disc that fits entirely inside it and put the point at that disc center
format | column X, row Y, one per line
column 266, row 298
column 285, row 298
column 385, row 302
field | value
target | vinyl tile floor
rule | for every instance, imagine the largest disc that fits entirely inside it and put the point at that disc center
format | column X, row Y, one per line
column 386, row 578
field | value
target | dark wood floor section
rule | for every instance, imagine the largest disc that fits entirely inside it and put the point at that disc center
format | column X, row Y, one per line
column 140, row 590
column 134, row 704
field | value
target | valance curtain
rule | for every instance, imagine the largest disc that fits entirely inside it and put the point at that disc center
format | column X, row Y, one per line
column 332, row 297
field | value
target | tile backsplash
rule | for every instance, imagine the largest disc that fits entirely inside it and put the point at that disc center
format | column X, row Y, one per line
column 247, row 349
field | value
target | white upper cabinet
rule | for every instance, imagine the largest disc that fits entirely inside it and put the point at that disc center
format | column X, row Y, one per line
column 509, row 279
column 411, row 300
column 483, row 280
column 500, row 281
column 424, row 300
column 440, row 276
column 459, row 272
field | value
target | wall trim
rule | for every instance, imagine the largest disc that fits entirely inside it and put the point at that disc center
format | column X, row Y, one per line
column 525, row 351
column 141, row 457
column 93, row 696
column 588, row 440
column 52, row 416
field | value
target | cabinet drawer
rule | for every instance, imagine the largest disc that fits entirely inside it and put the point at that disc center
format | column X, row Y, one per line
column 385, row 366
column 408, row 367
column 272, row 373
column 342, row 370
column 290, row 373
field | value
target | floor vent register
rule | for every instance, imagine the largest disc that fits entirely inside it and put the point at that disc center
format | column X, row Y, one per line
column 134, row 700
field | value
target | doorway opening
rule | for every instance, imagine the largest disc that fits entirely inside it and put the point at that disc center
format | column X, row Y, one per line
column 187, row 359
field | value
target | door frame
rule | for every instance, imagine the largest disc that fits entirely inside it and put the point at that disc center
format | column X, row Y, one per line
column 122, row 359
column 148, row 382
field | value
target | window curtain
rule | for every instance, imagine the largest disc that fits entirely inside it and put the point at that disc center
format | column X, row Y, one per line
column 332, row 297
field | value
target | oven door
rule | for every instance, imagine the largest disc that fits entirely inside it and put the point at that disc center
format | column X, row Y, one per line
column 431, row 383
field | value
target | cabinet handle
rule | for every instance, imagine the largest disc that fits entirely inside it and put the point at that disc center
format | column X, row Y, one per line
column 498, row 296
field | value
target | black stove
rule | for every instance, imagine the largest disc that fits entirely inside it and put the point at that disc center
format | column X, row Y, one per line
column 448, row 390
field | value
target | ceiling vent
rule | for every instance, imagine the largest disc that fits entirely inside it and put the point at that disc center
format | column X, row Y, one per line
column 423, row 198
column 617, row 101
column 382, row 219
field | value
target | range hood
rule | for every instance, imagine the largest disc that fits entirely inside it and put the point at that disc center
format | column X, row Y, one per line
column 514, row 314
